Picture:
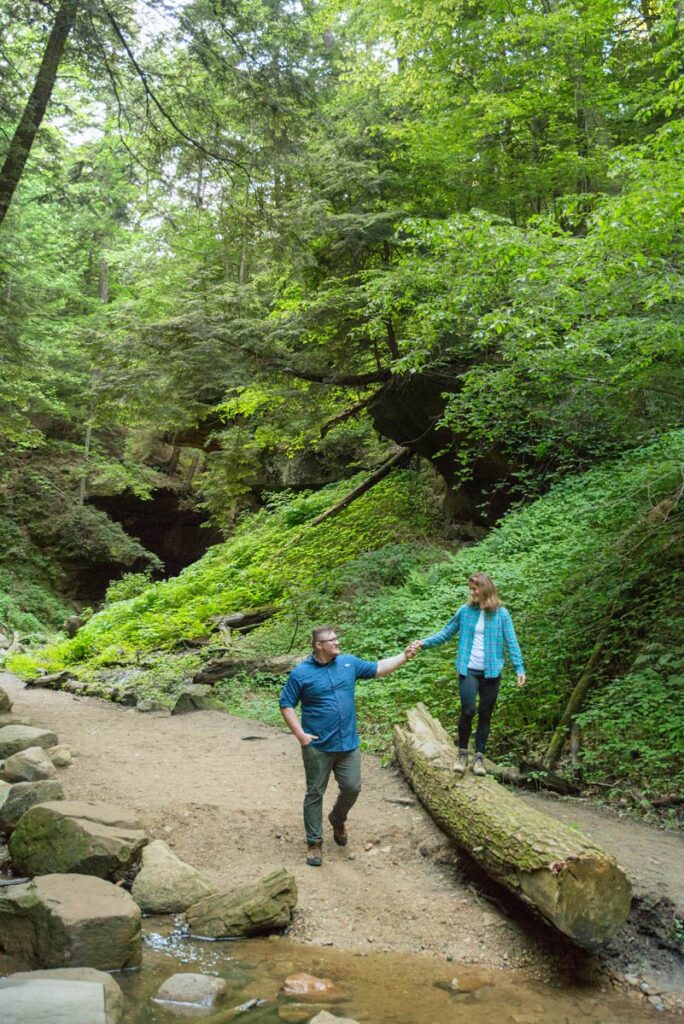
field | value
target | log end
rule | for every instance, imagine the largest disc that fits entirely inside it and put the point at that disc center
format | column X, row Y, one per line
column 587, row 898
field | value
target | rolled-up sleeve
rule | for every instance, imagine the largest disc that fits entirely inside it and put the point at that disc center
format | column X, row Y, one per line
column 451, row 629
column 291, row 692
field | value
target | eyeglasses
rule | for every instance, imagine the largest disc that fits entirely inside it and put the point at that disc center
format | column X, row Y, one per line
column 330, row 640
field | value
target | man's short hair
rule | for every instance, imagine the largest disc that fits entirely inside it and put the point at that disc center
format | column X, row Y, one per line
column 319, row 633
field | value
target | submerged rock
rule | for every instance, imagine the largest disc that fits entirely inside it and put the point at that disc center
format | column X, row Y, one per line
column 249, row 910
column 14, row 738
column 75, row 836
column 309, row 988
column 328, row 1018
column 19, row 798
column 62, row 995
column 164, row 884
column 28, row 765
column 191, row 990
column 66, row 920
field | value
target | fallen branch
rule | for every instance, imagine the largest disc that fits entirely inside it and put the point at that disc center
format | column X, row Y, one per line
column 370, row 481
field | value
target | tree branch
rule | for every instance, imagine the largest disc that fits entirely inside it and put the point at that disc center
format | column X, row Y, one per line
column 370, row 481
column 346, row 414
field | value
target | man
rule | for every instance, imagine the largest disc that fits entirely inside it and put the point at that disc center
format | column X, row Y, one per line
column 325, row 684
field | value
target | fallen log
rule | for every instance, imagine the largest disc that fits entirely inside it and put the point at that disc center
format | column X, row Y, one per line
column 573, row 884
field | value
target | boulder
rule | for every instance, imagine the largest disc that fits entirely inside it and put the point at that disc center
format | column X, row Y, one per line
column 63, row 995
column 309, row 988
column 248, row 910
column 75, row 836
column 192, row 990
column 164, row 884
column 23, row 795
column 194, row 698
column 19, row 737
column 28, row 765
column 70, row 921
column 5, row 702
column 60, row 756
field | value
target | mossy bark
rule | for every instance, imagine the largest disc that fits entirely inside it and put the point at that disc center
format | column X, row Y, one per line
column 571, row 882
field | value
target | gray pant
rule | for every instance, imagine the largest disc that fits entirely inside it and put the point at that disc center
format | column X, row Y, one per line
column 346, row 767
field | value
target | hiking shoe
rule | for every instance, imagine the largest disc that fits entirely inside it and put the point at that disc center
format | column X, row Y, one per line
column 479, row 765
column 461, row 762
column 314, row 857
column 339, row 832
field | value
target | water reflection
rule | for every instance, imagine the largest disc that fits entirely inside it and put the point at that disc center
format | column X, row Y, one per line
column 380, row 988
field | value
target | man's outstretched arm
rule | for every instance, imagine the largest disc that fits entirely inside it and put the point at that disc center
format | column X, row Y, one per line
column 388, row 665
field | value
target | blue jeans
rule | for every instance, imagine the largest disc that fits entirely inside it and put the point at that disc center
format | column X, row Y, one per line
column 471, row 686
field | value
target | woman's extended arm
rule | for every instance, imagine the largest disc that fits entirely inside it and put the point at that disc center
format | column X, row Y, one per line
column 451, row 629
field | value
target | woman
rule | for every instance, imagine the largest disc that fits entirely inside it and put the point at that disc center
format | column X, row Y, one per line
column 484, row 626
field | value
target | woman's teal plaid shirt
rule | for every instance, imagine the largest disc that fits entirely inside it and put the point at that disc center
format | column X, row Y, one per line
column 498, row 630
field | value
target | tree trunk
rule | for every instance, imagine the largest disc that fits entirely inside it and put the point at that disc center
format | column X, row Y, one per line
column 34, row 111
column 569, row 881
column 575, row 702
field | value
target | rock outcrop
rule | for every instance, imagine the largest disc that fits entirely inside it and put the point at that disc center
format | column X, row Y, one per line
column 248, row 910
column 66, row 920
column 194, row 697
column 164, row 884
column 75, row 836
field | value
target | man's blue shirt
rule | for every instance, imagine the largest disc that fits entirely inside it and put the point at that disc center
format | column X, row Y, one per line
column 326, row 693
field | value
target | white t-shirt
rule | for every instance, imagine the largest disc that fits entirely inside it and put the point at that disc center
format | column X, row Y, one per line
column 477, row 653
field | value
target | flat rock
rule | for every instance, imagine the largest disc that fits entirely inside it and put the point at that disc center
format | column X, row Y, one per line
column 17, row 799
column 53, row 997
column 28, row 765
column 309, row 988
column 74, row 836
column 248, row 910
column 147, row 705
column 165, row 884
column 14, row 738
column 198, row 990
column 66, row 920
column 5, row 702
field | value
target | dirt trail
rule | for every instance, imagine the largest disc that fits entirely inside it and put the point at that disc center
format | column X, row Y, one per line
column 225, row 794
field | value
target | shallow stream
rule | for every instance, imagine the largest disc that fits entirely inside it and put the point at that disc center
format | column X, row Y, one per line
column 381, row 988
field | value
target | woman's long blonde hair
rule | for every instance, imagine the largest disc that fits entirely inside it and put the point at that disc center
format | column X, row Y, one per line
column 489, row 599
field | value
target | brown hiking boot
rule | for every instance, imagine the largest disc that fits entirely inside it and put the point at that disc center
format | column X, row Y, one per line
column 314, row 857
column 461, row 762
column 339, row 832
column 479, row 765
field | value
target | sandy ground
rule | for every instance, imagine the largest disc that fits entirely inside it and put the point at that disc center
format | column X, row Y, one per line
column 226, row 793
